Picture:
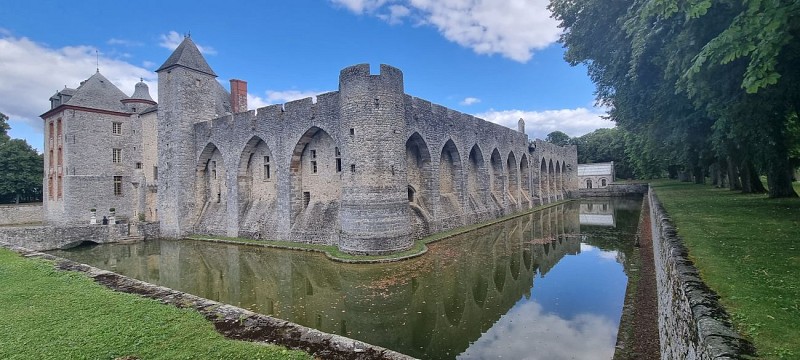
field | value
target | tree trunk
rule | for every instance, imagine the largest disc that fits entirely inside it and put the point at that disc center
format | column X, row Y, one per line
column 714, row 172
column 17, row 201
column 779, row 178
column 733, row 175
column 751, row 182
column 699, row 176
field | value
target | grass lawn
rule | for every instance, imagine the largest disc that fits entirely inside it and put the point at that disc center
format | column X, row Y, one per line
column 747, row 248
column 51, row 314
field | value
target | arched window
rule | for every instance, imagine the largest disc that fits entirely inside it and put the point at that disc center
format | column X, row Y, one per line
column 602, row 182
column 588, row 183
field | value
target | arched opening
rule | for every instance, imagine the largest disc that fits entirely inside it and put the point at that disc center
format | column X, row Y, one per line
column 476, row 179
column 316, row 185
column 551, row 180
column 211, row 191
column 588, row 183
column 603, row 182
column 513, row 179
column 525, row 180
column 496, row 179
column 544, row 183
column 559, row 180
column 257, row 188
column 419, row 175
column 450, row 178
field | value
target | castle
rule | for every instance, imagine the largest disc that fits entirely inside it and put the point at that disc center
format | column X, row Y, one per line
column 366, row 168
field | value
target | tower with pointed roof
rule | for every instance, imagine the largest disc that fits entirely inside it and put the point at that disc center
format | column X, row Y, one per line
column 188, row 93
column 94, row 152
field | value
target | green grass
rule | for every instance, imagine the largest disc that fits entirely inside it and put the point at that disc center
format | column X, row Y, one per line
column 333, row 252
column 747, row 248
column 51, row 314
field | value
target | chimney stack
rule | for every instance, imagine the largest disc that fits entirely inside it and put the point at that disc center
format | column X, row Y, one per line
column 238, row 96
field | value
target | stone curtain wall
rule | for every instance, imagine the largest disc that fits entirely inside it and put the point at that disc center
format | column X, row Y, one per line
column 692, row 324
column 41, row 238
column 18, row 214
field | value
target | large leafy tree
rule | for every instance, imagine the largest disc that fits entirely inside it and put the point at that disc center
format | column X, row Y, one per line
column 558, row 138
column 696, row 84
column 21, row 168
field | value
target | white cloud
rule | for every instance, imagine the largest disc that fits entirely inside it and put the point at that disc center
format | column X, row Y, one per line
column 511, row 28
column 469, row 101
column 123, row 42
column 172, row 39
column 272, row 97
column 573, row 122
column 585, row 336
column 33, row 72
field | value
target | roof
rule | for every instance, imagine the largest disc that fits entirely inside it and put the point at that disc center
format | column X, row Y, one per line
column 142, row 92
column 598, row 169
column 187, row 55
column 98, row 93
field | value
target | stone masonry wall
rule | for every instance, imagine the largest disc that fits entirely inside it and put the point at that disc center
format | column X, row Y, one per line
column 20, row 214
column 692, row 324
column 58, row 237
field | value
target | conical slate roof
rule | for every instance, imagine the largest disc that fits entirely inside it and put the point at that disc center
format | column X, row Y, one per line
column 187, row 55
column 98, row 93
column 142, row 92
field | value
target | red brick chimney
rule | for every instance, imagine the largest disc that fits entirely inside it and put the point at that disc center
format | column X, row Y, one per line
column 238, row 96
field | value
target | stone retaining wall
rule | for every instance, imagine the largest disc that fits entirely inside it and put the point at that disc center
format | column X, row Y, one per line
column 17, row 214
column 692, row 324
column 51, row 237
column 610, row 190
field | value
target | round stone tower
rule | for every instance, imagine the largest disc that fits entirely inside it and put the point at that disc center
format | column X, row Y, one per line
column 374, row 207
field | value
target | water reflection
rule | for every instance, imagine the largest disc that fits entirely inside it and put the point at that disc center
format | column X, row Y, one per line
column 469, row 297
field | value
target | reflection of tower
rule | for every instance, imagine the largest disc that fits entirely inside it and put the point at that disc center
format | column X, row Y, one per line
column 374, row 207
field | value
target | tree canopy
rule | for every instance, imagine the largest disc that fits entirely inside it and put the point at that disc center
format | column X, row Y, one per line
column 699, row 87
column 21, row 168
column 558, row 138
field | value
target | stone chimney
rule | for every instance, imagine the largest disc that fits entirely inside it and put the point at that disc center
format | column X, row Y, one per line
column 238, row 96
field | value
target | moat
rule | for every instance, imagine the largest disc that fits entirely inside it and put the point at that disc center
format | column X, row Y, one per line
column 547, row 285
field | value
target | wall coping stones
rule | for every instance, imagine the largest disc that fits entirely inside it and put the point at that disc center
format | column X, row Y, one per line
column 692, row 322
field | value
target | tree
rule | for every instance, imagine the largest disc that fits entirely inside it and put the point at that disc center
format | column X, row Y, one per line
column 558, row 138
column 4, row 127
column 21, row 171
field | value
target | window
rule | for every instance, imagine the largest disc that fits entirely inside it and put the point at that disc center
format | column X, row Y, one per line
column 116, row 128
column 352, row 131
column 603, row 182
column 306, row 198
column 313, row 154
column 353, row 168
column 338, row 160
column 118, row 185
column 267, row 172
column 60, row 187
column 314, row 166
column 58, row 131
column 213, row 169
column 50, row 187
column 155, row 172
column 138, row 165
column 117, row 156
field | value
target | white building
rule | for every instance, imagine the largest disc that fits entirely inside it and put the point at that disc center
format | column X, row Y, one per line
column 593, row 176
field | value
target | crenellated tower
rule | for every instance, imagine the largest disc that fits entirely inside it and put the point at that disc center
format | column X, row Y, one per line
column 187, row 92
column 374, row 207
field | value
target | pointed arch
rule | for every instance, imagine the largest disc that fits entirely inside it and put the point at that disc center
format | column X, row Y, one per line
column 544, row 182
column 316, row 187
column 551, row 181
column 419, row 172
column 512, row 172
column 450, row 177
column 477, row 179
column 559, row 187
column 525, row 179
column 257, row 190
column 211, row 190
column 496, row 178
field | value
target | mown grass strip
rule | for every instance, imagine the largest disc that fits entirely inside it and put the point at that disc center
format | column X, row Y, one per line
column 747, row 249
column 51, row 314
column 333, row 252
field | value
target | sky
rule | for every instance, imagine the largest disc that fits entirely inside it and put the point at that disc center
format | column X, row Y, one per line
column 495, row 59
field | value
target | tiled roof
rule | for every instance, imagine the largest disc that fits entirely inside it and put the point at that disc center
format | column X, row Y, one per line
column 142, row 92
column 595, row 169
column 98, row 93
column 187, row 55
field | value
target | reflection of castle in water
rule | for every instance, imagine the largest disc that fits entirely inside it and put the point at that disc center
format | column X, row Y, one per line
column 597, row 213
column 429, row 307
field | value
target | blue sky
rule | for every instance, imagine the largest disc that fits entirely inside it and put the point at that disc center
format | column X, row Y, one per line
column 496, row 59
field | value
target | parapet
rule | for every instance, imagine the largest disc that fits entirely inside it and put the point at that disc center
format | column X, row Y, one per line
column 358, row 77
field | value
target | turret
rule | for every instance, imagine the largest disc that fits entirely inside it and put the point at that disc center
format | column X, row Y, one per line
column 140, row 99
column 374, row 209
column 187, row 91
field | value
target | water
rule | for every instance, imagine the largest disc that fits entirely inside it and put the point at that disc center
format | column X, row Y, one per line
column 548, row 285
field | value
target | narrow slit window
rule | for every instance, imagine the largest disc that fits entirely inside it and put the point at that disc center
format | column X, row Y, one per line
column 338, row 160
column 213, row 169
column 352, row 168
column 267, row 172
column 314, row 167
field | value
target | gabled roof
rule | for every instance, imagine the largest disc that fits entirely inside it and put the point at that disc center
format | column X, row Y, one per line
column 187, row 55
column 98, row 93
